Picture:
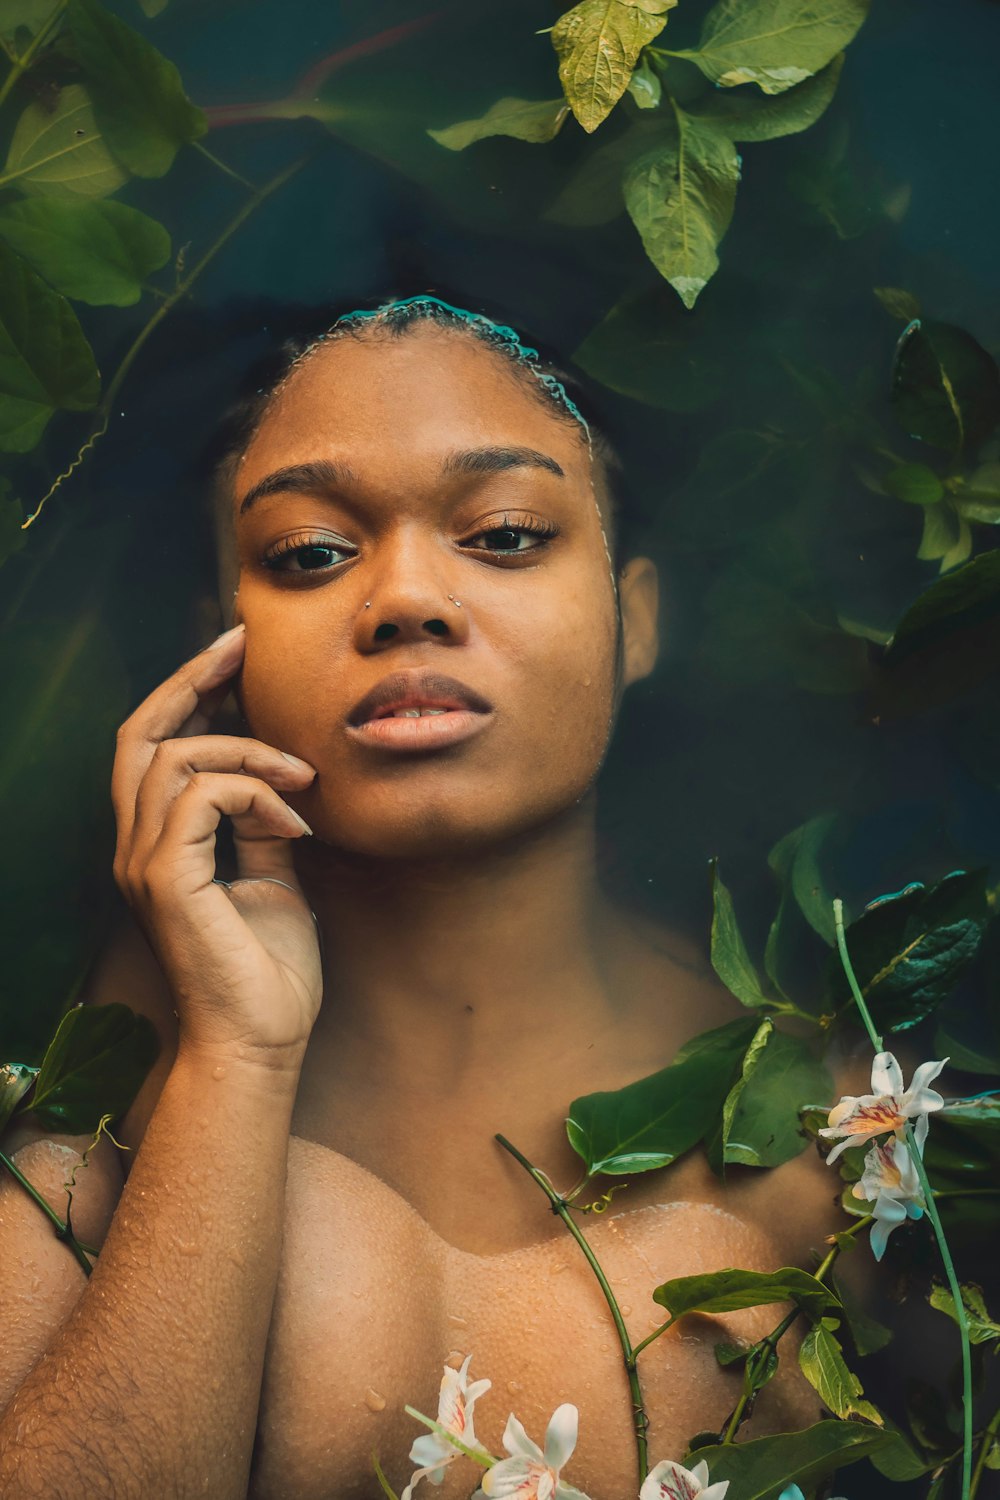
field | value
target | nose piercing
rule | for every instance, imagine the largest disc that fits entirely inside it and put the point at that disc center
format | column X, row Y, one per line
column 368, row 605
column 457, row 602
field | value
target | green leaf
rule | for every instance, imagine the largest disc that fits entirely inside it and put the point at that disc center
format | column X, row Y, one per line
column 94, row 1065
column 764, row 1127
column 645, row 86
column 730, row 959
column 898, row 303
column 955, row 603
column 31, row 14
column 717, row 1143
column 45, row 361
column 982, row 1328
column 15, row 1081
column 726, row 1291
column 745, row 118
column 99, row 253
column 774, row 43
column 978, row 497
column 680, row 196
column 525, row 119
column 914, row 483
column 795, row 861
column 12, row 534
column 761, row 1468
column 648, row 348
column 908, row 948
column 60, row 153
column 598, row 44
column 139, row 99
column 945, row 386
column 822, row 1363
column 650, row 1123
column 946, row 536
column 153, row 8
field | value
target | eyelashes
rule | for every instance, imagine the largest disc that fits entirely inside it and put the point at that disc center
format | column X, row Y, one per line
column 319, row 553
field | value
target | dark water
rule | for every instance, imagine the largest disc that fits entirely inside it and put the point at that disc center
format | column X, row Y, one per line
column 762, row 715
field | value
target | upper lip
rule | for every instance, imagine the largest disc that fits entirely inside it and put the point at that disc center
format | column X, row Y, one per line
column 416, row 689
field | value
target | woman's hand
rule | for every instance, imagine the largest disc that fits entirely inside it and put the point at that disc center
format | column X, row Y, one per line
column 243, row 961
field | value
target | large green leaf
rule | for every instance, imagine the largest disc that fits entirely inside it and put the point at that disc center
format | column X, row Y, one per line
column 525, row 119
column 99, row 253
column 45, row 361
column 821, row 1361
column 795, row 861
column 648, row 348
column 60, row 152
column 958, row 602
column 31, row 14
column 761, row 1468
column 907, row 949
column 774, row 43
column 763, row 1130
column 598, row 44
column 139, row 99
column 717, row 1139
column 681, row 196
column 945, row 386
column 94, row 1065
column 725, row 1291
column 982, row 1328
column 15, row 1081
column 746, row 118
column 650, row 1123
column 730, row 958
column 978, row 497
column 593, row 192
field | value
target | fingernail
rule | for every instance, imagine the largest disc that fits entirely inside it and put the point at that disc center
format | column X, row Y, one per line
column 303, row 822
column 300, row 765
column 225, row 637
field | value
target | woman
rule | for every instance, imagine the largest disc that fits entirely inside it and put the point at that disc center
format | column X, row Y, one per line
column 430, row 644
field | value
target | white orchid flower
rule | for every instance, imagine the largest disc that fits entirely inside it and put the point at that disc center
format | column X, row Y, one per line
column 858, row 1118
column 889, row 1181
column 455, row 1402
column 530, row 1474
column 671, row 1481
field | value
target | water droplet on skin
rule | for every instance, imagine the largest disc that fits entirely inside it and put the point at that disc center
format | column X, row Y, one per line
column 218, row 1072
column 194, row 1177
column 237, row 1257
column 557, row 1268
column 513, row 1386
column 357, row 1292
column 374, row 1400
column 625, row 1310
column 458, row 1321
column 187, row 1247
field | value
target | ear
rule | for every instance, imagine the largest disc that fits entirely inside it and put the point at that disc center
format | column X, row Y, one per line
column 639, row 596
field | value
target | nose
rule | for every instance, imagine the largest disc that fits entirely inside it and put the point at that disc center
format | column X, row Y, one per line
column 409, row 598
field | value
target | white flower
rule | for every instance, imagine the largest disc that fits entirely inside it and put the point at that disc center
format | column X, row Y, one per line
column 671, row 1481
column 889, row 1181
column 530, row 1474
column 860, row 1117
column 455, row 1402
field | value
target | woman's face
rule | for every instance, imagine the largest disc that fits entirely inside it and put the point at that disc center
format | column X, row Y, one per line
column 415, row 509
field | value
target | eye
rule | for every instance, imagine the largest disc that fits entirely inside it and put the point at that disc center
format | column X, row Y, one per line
column 512, row 535
column 312, row 554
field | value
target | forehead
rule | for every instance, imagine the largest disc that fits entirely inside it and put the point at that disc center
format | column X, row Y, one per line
column 408, row 399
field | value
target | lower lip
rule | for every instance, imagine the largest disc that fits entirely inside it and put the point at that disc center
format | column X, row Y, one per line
column 429, row 732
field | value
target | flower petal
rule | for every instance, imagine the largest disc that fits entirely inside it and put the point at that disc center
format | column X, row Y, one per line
column 561, row 1434
column 887, row 1075
column 429, row 1450
column 923, row 1076
column 671, row 1481
column 519, row 1444
column 513, row 1479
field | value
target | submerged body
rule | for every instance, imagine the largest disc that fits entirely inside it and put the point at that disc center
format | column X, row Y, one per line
column 317, row 1216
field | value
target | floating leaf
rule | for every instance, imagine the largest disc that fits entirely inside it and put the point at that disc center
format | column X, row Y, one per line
column 914, row 483
column 898, row 303
column 648, row 348
column 139, row 99
column 730, row 958
column 153, row 8
column 717, row 1141
column 795, row 861
column 745, row 118
column 15, row 1081
column 593, row 193
column 763, row 1130
column 868, row 1335
column 774, row 43
column 945, row 386
column 94, row 1065
column 680, row 196
column 956, row 603
column 645, row 86
column 99, row 253
column 945, row 536
column 759, row 1469
column 525, row 119
column 982, row 1328
column 821, row 1361
column 45, row 361
column 31, row 14
column 598, row 43
column 650, row 1123
column 714, row 1292
column 908, row 949
column 60, row 153
column 978, row 498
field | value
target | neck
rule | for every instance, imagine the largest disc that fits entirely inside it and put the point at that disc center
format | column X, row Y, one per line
column 443, row 965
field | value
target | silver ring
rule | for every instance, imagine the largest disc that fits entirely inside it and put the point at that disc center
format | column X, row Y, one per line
column 257, row 879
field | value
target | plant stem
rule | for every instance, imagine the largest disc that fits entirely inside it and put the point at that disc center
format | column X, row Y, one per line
column 224, row 166
column 62, row 1233
column 559, row 1206
column 21, row 64
column 989, row 1437
column 103, row 415
column 859, row 999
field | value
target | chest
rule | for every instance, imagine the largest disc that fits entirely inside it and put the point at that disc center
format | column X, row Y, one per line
column 371, row 1304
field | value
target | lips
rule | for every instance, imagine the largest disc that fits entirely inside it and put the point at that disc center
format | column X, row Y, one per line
column 413, row 690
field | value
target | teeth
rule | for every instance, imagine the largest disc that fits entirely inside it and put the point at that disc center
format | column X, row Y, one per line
column 416, row 713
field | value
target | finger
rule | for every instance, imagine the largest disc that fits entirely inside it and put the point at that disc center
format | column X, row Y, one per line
column 167, row 709
column 183, row 860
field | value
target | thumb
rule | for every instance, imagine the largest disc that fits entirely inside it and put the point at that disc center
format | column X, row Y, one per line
column 265, row 855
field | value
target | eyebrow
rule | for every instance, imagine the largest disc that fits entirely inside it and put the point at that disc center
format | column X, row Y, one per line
column 323, row 477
